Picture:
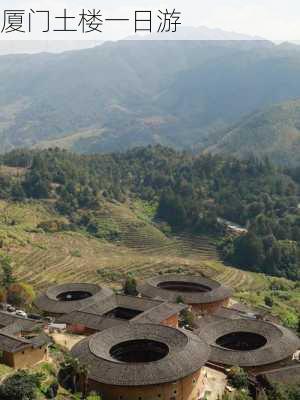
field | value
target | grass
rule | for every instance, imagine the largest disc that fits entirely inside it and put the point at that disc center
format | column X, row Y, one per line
column 4, row 370
column 286, row 303
column 144, row 210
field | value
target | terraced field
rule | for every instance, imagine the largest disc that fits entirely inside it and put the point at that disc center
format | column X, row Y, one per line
column 43, row 259
column 46, row 258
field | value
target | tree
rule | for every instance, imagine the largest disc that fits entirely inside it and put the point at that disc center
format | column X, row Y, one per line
column 279, row 391
column 269, row 301
column 36, row 182
column 238, row 378
column 130, row 286
column 22, row 385
column 20, row 294
column 187, row 318
column 7, row 277
column 249, row 251
column 17, row 192
column 171, row 209
column 179, row 300
column 72, row 372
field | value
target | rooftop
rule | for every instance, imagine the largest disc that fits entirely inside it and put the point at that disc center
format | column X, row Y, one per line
column 288, row 375
column 62, row 299
column 20, row 323
column 120, row 309
column 247, row 342
column 13, row 344
column 141, row 354
column 192, row 289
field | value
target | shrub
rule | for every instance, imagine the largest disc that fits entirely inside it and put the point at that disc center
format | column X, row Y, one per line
column 268, row 301
column 20, row 294
column 238, row 378
column 21, row 386
column 130, row 286
column 187, row 318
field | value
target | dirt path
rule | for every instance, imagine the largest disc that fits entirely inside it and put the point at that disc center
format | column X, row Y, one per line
column 66, row 340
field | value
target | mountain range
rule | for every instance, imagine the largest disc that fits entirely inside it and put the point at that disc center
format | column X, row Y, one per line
column 237, row 96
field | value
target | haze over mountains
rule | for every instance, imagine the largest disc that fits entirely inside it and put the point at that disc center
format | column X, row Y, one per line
column 234, row 96
column 272, row 132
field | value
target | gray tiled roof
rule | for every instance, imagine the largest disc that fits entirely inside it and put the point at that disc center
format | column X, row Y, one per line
column 280, row 344
column 93, row 316
column 25, row 324
column 48, row 301
column 217, row 292
column 118, row 300
column 40, row 340
column 12, row 343
column 159, row 313
column 90, row 320
column 187, row 354
column 288, row 375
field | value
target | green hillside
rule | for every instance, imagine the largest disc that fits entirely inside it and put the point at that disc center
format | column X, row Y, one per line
column 44, row 258
column 273, row 132
column 149, row 211
column 98, row 100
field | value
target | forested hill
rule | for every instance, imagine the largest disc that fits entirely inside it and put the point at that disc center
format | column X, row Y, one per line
column 272, row 132
column 133, row 93
column 186, row 191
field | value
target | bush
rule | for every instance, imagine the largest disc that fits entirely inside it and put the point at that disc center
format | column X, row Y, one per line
column 21, row 386
column 268, row 301
column 130, row 286
column 93, row 396
column 187, row 318
column 237, row 395
column 51, row 226
column 238, row 378
column 20, row 294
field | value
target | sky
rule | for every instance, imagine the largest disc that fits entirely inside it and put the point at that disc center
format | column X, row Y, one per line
column 275, row 20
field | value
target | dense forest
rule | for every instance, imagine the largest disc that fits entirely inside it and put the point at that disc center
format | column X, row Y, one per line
column 190, row 192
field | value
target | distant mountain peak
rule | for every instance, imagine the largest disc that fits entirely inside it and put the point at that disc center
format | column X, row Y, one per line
column 196, row 33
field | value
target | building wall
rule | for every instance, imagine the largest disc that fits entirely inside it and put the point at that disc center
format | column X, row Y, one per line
column 254, row 370
column 189, row 388
column 209, row 308
column 80, row 329
column 26, row 358
column 171, row 321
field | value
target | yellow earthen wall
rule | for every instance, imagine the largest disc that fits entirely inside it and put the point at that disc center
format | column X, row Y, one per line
column 189, row 388
column 26, row 358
